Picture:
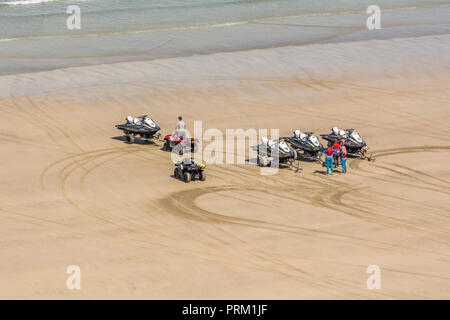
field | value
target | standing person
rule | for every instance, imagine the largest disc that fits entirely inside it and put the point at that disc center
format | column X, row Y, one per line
column 180, row 128
column 329, row 153
column 344, row 159
column 337, row 149
column 342, row 144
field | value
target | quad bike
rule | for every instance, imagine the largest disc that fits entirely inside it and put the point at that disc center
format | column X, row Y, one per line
column 188, row 170
column 354, row 144
column 141, row 126
column 306, row 143
column 176, row 143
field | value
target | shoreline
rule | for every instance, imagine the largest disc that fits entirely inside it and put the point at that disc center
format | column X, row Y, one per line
column 24, row 56
column 361, row 59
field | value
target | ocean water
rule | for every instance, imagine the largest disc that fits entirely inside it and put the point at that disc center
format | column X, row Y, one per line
column 34, row 35
column 25, row 19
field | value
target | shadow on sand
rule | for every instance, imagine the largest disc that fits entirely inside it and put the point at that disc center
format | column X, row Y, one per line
column 136, row 141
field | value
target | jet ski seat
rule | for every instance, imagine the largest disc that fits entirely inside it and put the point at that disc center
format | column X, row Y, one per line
column 335, row 130
column 264, row 141
column 149, row 122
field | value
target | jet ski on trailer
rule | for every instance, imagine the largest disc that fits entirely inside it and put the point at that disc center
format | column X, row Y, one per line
column 269, row 151
column 142, row 126
column 306, row 143
column 355, row 145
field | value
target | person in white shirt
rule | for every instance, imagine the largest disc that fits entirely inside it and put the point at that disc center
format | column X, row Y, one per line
column 180, row 128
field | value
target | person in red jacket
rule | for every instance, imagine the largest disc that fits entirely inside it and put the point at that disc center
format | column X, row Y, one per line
column 336, row 154
column 342, row 143
column 329, row 152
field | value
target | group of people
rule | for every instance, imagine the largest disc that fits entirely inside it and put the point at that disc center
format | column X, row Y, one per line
column 333, row 153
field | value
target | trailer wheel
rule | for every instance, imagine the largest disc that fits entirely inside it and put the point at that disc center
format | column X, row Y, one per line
column 187, row 177
column 263, row 161
column 129, row 138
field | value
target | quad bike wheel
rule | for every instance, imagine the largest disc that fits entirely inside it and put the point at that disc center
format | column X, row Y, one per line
column 166, row 146
column 176, row 173
column 202, row 176
column 187, row 177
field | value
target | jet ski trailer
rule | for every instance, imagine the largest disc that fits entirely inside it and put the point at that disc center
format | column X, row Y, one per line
column 142, row 127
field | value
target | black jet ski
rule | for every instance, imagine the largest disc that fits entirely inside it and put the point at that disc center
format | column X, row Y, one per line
column 355, row 145
column 274, row 150
column 142, row 126
column 307, row 143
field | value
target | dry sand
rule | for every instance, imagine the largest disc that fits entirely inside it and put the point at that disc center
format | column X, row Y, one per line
column 72, row 194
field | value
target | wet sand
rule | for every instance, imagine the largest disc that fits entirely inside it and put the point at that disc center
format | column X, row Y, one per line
column 73, row 193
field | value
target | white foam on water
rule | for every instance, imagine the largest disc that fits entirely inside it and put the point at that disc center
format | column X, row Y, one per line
column 25, row 2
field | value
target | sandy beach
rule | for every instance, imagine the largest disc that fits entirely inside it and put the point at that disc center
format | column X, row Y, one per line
column 73, row 193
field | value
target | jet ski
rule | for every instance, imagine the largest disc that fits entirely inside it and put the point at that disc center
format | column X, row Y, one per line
column 355, row 145
column 274, row 150
column 142, row 126
column 307, row 143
